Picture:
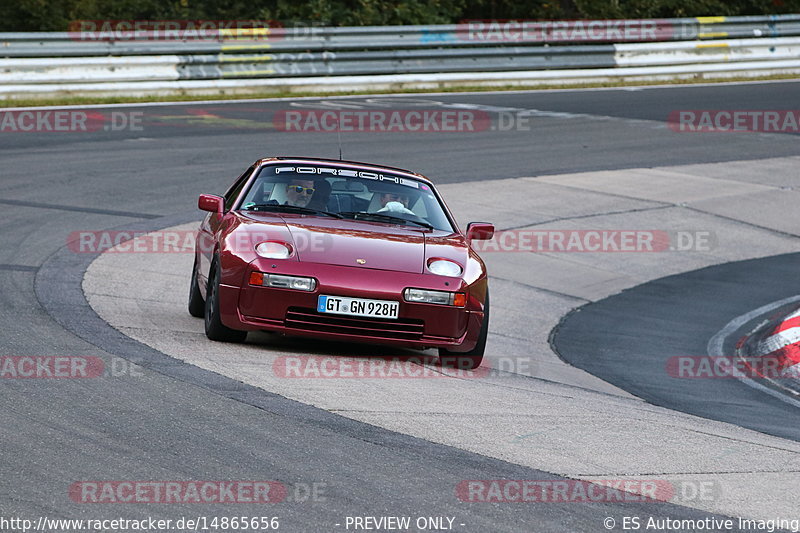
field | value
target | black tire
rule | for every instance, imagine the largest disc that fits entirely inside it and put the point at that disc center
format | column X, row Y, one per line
column 197, row 306
column 472, row 359
column 215, row 329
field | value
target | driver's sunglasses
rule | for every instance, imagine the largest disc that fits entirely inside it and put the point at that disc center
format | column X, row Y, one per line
column 299, row 189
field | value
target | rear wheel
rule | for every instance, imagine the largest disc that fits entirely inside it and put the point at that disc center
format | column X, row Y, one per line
column 215, row 329
column 197, row 306
column 472, row 359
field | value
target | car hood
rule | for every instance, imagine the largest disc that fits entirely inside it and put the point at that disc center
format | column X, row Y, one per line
column 350, row 243
column 365, row 244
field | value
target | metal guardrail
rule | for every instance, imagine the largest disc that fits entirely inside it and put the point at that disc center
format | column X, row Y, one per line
column 466, row 35
column 476, row 51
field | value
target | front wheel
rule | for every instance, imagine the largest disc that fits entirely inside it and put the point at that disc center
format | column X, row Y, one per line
column 215, row 329
column 197, row 306
column 472, row 359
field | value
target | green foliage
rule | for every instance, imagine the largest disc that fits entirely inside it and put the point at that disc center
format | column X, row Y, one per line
column 56, row 15
column 681, row 8
column 361, row 12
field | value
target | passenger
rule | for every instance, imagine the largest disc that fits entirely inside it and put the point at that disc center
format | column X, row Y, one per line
column 395, row 203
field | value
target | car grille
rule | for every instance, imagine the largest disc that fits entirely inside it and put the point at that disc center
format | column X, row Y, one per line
column 311, row 320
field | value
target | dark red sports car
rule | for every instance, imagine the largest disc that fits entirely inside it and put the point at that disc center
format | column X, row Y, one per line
column 344, row 251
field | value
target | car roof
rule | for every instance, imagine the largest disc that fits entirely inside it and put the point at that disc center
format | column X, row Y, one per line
column 344, row 163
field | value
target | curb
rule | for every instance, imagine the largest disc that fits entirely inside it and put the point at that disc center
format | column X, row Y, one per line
column 775, row 346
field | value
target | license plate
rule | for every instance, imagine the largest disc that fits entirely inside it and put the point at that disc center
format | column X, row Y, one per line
column 339, row 305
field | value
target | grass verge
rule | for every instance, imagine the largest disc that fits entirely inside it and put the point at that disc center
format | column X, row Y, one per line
column 79, row 100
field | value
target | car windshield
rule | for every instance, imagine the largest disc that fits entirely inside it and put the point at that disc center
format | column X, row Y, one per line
column 346, row 193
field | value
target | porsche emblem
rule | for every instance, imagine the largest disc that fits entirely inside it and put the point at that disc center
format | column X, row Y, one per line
column 361, row 261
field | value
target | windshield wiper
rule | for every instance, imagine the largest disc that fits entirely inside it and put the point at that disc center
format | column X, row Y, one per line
column 291, row 209
column 379, row 217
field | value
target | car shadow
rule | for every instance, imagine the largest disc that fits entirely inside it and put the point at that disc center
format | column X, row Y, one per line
column 316, row 347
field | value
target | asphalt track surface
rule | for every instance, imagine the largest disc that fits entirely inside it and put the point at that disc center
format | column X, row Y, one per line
column 677, row 313
column 183, row 423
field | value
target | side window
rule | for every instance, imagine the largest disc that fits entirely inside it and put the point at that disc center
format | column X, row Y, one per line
column 234, row 191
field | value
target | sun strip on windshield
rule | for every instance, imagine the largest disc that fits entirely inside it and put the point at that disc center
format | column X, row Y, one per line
column 346, row 172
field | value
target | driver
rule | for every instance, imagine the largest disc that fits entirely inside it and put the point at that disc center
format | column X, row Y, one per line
column 299, row 192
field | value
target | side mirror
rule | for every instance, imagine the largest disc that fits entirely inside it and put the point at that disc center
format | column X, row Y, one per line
column 480, row 231
column 211, row 203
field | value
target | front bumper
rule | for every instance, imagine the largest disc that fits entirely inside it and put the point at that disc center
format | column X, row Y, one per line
column 293, row 312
